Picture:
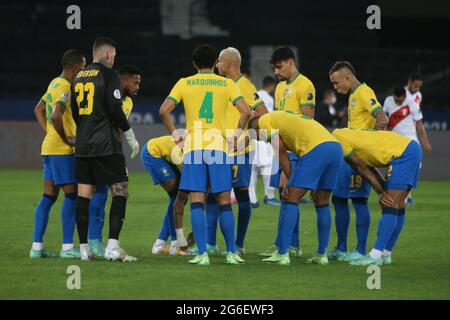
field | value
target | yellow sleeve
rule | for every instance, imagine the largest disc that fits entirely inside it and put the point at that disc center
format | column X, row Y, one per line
column 265, row 124
column 63, row 97
column 176, row 94
column 234, row 92
column 307, row 95
column 369, row 101
column 346, row 148
column 251, row 96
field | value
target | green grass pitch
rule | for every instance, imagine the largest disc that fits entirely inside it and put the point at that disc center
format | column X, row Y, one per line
column 420, row 270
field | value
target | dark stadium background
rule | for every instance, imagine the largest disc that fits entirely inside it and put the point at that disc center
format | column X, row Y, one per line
column 158, row 36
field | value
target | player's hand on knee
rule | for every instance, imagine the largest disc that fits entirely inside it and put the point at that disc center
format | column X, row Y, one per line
column 386, row 200
column 285, row 193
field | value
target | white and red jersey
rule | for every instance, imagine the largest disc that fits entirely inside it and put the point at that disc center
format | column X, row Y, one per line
column 416, row 97
column 402, row 119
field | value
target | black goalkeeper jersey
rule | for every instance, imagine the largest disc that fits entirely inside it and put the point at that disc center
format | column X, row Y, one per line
column 95, row 95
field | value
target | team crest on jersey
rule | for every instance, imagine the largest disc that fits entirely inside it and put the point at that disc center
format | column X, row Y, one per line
column 255, row 96
column 287, row 93
column 372, row 101
column 64, row 96
column 117, row 94
column 353, row 103
column 309, row 96
column 164, row 172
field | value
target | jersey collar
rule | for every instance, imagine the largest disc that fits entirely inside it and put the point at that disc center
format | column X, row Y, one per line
column 238, row 78
column 296, row 77
column 359, row 85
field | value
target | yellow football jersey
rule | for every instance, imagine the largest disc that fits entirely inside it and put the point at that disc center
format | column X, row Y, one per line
column 165, row 147
column 205, row 97
column 362, row 103
column 294, row 95
column 376, row 148
column 58, row 91
column 299, row 133
column 127, row 106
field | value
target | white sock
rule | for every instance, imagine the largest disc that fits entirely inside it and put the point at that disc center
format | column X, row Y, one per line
column 113, row 244
column 386, row 253
column 376, row 254
column 84, row 247
column 180, row 237
column 160, row 242
column 67, row 246
column 37, row 246
column 174, row 243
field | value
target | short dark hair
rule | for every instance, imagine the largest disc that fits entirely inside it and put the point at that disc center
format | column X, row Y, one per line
column 102, row 41
column 282, row 54
column 415, row 76
column 268, row 80
column 399, row 91
column 204, row 56
column 71, row 57
column 338, row 65
column 129, row 69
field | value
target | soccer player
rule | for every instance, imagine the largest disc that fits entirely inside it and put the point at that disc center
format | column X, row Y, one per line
column 229, row 65
column 163, row 158
column 296, row 93
column 413, row 87
column 54, row 115
column 364, row 112
column 367, row 149
column 205, row 97
column 319, row 157
column 97, row 109
column 130, row 80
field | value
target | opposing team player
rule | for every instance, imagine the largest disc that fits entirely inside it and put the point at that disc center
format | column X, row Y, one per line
column 55, row 117
column 205, row 97
column 97, row 109
column 364, row 112
column 365, row 150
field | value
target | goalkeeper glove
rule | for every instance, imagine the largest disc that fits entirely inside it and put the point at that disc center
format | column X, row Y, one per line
column 132, row 142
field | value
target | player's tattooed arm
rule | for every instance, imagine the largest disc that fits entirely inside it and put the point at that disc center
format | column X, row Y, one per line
column 57, row 121
column 261, row 109
column 426, row 145
column 381, row 120
column 39, row 111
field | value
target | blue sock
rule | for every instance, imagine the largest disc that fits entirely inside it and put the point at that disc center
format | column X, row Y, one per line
column 212, row 218
column 287, row 223
column 295, row 240
column 198, row 223
column 398, row 228
column 386, row 227
column 244, row 214
column 226, row 218
column 41, row 214
column 168, row 222
column 342, row 221
column 97, row 212
column 323, row 227
column 68, row 217
column 362, row 223
column 277, row 239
